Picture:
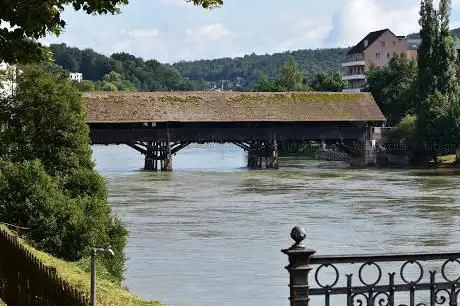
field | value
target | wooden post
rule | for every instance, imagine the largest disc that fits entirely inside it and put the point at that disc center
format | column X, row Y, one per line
column 167, row 154
column 274, row 164
column 150, row 162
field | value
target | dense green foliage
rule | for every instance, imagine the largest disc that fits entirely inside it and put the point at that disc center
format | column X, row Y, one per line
column 332, row 82
column 438, row 92
column 120, row 71
column 394, row 87
column 47, row 178
column 241, row 72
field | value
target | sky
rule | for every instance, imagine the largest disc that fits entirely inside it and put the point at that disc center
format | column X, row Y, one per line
column 172, row 30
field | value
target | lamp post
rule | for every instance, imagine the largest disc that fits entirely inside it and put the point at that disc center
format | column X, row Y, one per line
column 93, row 270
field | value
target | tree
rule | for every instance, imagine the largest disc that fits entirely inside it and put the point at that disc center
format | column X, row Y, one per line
column 426, row 57
column 438, row 112
column 328, row 82
column 394, row 88
column 47, row 122
column 446, row 54
column 48, row 181
column 291, row 77
column 265, row 84
column 30, row 20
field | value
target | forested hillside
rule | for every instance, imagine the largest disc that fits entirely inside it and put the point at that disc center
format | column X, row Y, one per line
column 241, row 72
column 128, row 72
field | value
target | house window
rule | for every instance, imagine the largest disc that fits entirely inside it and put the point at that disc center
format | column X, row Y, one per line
column 388, row 55
column 377, row 55
column 382, row 43
column 394, row 43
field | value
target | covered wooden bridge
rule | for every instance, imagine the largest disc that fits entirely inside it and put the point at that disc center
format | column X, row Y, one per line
column 159, row 124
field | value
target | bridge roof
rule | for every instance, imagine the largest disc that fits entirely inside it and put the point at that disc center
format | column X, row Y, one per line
column 136, row 107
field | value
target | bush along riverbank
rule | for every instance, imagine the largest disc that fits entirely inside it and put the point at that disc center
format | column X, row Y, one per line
column 48, row 181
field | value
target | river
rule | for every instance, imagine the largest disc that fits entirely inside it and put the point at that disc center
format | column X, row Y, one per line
column 210, row 233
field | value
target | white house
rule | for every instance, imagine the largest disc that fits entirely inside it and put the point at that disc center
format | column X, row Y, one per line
column 76, row 76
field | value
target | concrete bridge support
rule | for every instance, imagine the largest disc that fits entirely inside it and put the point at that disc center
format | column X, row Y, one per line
column 359, row 153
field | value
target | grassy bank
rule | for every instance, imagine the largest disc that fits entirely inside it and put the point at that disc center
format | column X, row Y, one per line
column 108, row 293
column 445, row 161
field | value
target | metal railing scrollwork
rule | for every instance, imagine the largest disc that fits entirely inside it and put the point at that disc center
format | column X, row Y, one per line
column 412, row 279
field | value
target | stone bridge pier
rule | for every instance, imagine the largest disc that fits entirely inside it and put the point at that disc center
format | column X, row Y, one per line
column 361, row 152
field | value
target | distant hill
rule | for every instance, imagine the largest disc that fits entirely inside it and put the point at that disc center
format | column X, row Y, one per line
column 454, row 32
column 241, row 72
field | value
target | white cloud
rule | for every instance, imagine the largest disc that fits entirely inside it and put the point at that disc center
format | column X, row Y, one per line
column 144, row 33
column 209, row 33
column 358, row 17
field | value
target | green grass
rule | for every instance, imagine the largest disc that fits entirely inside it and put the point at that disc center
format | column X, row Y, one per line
column 107, row 293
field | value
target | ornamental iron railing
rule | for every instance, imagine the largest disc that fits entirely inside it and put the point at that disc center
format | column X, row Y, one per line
column 415, row 279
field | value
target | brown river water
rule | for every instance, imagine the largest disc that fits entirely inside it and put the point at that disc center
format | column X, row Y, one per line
column 210, row 233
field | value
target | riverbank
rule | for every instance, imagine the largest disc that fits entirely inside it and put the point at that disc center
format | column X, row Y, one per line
column 108, row 293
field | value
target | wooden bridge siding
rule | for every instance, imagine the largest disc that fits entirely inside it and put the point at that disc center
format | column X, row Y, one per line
column 111, row 135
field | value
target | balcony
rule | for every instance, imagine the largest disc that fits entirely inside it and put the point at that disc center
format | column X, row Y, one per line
column 355, row 57
column 354, row 63
column 353, row 77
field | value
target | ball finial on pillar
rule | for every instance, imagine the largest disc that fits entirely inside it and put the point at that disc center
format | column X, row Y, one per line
column 298, row 234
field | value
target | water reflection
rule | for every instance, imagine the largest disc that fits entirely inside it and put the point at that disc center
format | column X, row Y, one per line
column 210, row 233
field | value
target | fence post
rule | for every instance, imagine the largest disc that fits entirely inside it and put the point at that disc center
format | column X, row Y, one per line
column 299, row 268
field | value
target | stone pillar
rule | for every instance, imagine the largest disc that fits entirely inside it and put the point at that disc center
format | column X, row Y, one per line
column 299, row 268
column 369, row 147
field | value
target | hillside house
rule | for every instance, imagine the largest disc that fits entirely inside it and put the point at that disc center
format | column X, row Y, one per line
column 376, row 49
